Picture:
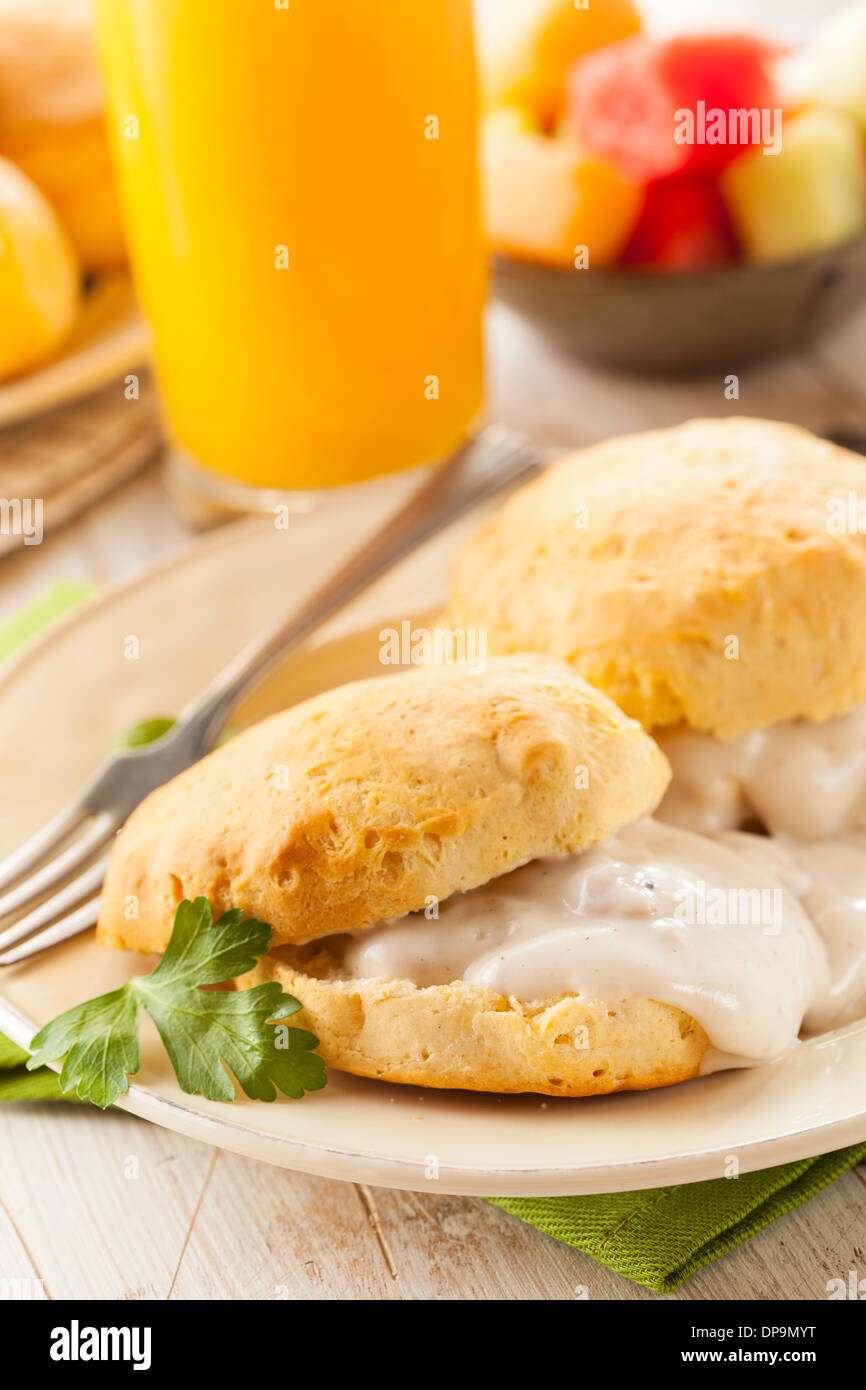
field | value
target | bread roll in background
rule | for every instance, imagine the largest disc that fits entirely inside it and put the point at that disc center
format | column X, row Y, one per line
column 52, row 122
column 40, row 279
column 695, row 574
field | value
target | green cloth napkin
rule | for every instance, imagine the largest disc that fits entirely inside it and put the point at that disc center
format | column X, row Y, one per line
column 16, row 1083
column 661, row 1236
column 656, row 1238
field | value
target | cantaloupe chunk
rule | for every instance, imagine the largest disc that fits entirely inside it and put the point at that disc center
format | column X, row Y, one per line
column 535, row 42
column 545, row 200
column 809, row 196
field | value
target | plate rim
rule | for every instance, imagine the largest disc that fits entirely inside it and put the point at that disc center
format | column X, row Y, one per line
column 175, row 558
column 460, row 1179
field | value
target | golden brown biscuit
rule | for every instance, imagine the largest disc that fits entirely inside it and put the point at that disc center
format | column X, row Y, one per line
column 460, row 1036
column 52, row 122
column 694, row 574
column 363, row 803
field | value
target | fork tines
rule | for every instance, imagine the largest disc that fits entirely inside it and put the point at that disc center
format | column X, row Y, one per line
column 59, row 898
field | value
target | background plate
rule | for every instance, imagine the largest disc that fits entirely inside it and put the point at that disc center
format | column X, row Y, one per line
column 67, row 698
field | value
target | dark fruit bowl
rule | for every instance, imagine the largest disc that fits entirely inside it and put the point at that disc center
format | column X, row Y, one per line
column 681, row 321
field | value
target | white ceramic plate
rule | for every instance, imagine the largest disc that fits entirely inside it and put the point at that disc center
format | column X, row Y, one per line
column 109, row 339
column 67, row 697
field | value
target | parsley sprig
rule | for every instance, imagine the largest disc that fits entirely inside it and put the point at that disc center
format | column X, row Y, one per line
column 207, row 1034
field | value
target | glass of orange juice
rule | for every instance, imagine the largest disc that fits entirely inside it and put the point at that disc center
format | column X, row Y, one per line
column 300, row 186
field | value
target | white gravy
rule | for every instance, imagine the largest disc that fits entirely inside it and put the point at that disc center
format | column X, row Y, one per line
column 654, row 913
column 829, row 878
column 755, row 936
column 806, row 783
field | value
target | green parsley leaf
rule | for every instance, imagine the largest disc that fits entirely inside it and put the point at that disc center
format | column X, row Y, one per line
column 99, row 1041
column 207, row 1034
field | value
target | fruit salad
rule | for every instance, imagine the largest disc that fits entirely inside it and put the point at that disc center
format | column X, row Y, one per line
column 604, row 145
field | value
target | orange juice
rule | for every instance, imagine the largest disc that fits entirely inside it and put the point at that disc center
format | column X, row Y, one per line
column 300, row 186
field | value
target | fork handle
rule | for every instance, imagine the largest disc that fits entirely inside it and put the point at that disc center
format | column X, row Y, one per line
column 492, row 461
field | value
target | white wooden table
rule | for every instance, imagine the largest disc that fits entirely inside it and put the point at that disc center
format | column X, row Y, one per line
column 108, row 1207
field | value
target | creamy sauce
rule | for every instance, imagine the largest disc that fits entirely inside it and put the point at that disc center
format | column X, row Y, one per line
column 806, row 784
column 801, row 780
column 757, row 936
column 654, row 913
column 829, row 878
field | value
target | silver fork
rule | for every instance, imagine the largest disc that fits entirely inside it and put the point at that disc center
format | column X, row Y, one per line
column 70, row 853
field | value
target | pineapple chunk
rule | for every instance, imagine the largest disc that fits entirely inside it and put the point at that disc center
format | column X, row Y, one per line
column 807, row 197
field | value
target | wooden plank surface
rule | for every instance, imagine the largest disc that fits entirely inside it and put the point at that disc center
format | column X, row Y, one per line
column 107, row 1207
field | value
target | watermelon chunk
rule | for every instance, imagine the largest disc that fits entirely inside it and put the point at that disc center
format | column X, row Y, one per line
column 626, row 102
column 683, row 225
